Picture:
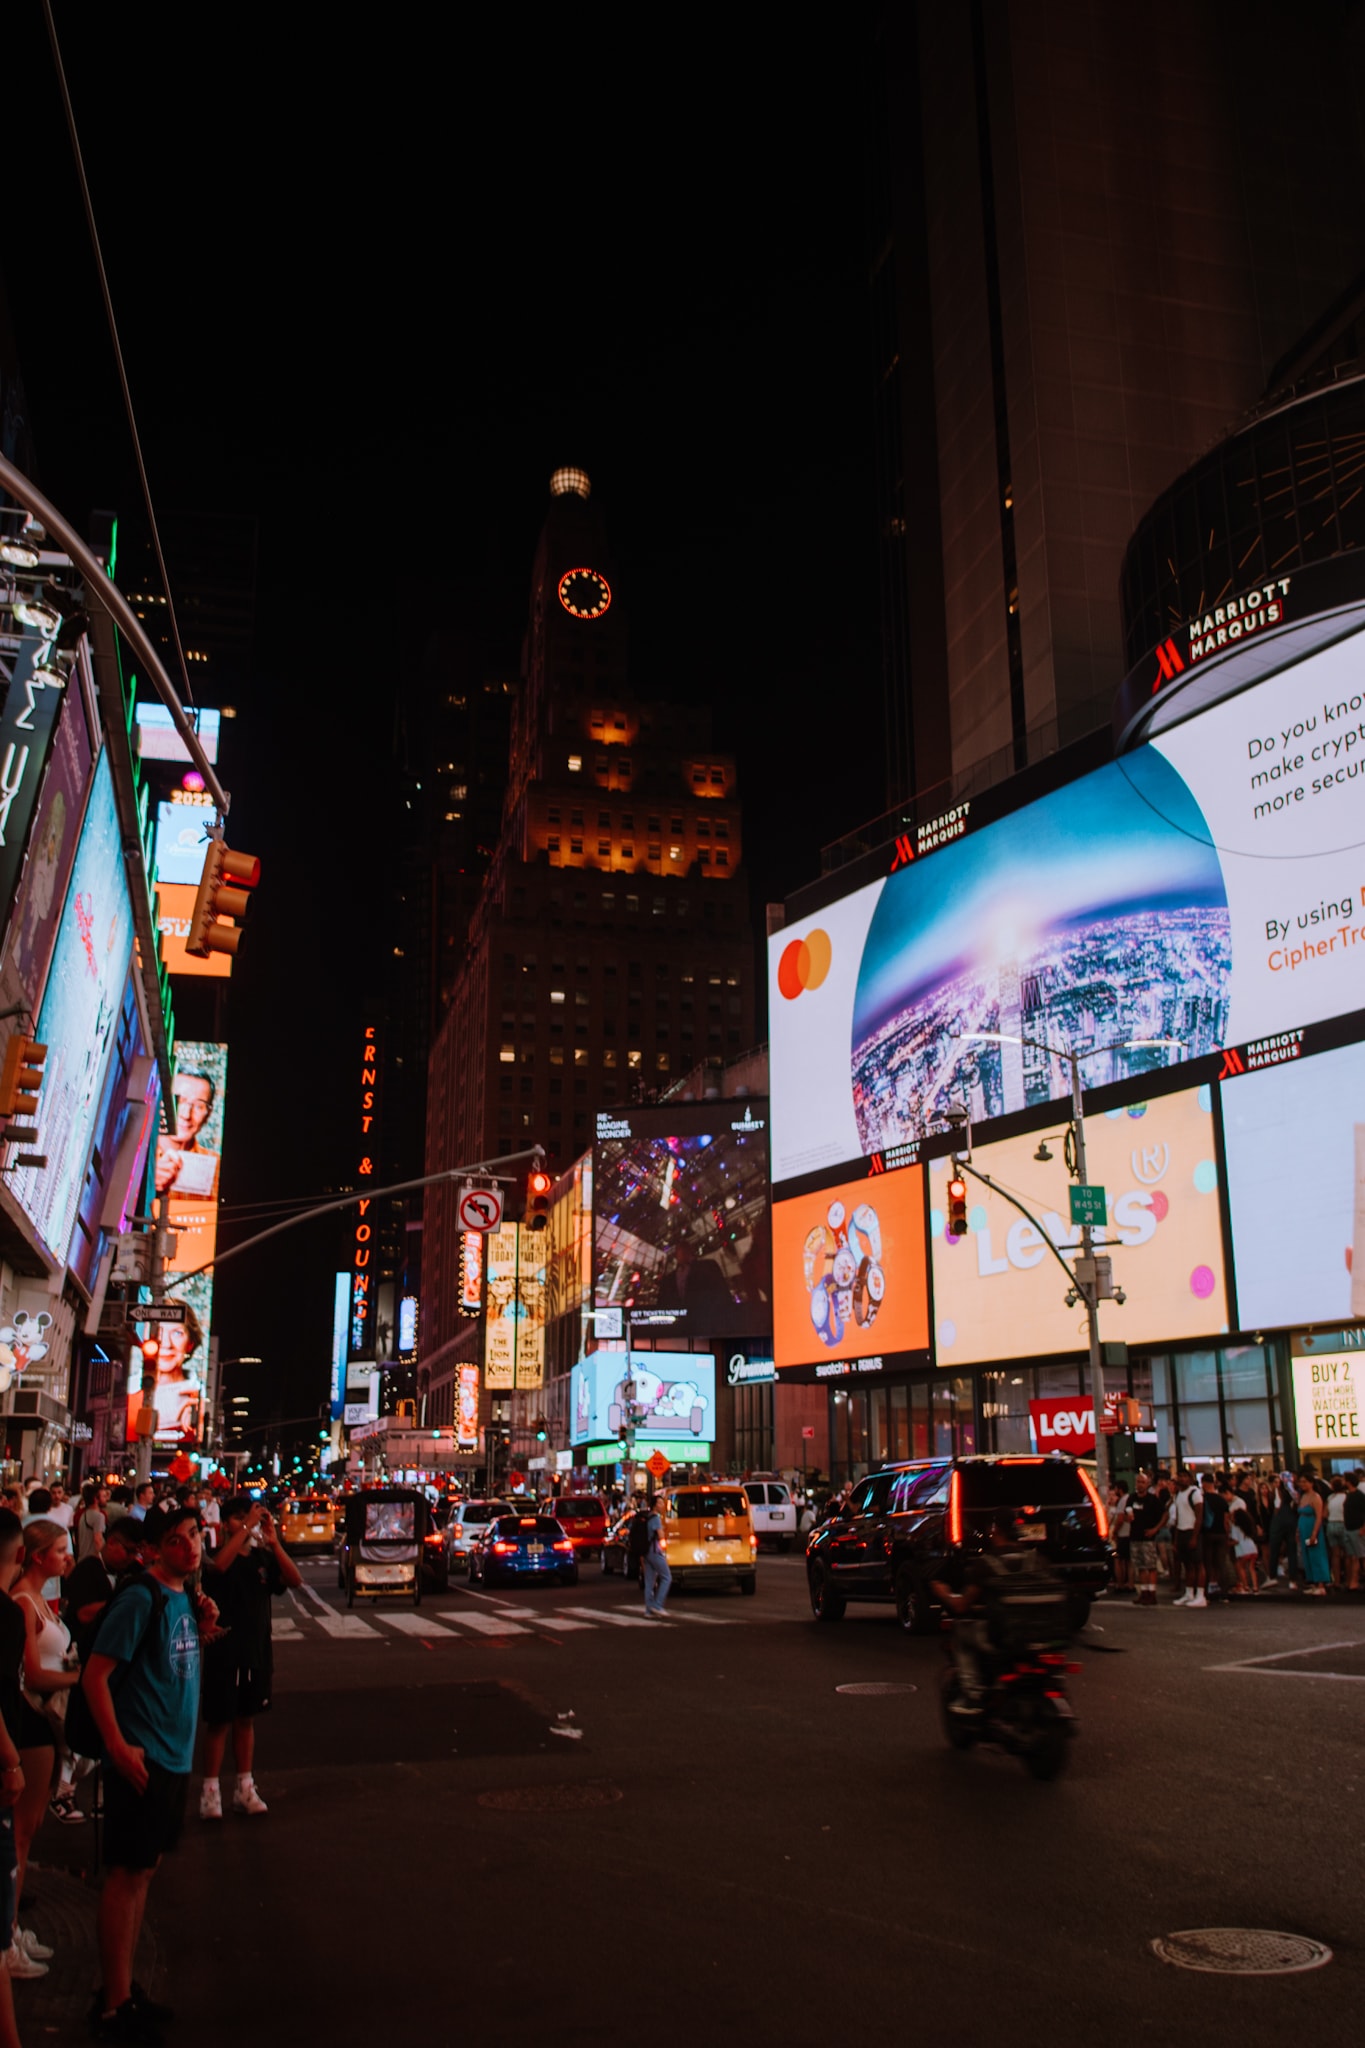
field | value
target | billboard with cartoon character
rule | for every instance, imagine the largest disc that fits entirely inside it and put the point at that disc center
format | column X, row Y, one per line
column 668, row 1396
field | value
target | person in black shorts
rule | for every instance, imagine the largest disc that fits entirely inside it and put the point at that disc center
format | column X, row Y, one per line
column 148, row 1636
column 249, row 1568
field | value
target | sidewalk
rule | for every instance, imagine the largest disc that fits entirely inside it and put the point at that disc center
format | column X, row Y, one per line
column 59, row 1905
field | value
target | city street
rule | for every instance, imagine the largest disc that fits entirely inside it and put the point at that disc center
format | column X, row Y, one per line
column 733, row 1834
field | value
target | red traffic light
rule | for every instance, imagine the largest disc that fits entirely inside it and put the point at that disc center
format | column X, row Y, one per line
column 218, row 898
column 957, row 1190
column 150, row 1348
column 957, row 1204
column 538, row 1185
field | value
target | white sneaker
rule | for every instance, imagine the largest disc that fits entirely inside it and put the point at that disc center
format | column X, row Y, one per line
column 211, row 1800
column 1183, row 1600
column 1199, row 1600
column 20, row 1964
column 27, row 1940
column 246, row 1799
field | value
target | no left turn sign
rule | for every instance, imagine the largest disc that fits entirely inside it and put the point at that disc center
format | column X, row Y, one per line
column 481, row 1208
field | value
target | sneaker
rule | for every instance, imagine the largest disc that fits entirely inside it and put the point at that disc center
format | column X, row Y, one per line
column 128, row 2022
column 211, row 1800
column 27, row 1940
column 20, row 1964
column 62, row 1806
column 1182, row 1600
column 246, row 1799
column 1199, row 1600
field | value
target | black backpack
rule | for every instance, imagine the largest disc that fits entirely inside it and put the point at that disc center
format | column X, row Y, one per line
column 82, row 1734
column 1026, row 1606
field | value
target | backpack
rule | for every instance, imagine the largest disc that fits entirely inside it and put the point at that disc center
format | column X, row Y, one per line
column 638, row 1534
column 82, row 1733
column 1025, row 1606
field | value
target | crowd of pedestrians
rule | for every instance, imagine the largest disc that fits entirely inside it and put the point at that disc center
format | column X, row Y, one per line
column 127, row 1617
column 1234, row 1535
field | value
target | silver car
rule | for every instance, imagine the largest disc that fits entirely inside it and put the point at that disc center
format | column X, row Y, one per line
column 468, row 1520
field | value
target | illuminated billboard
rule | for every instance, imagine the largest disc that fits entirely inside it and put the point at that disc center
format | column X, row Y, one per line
column 52, row 848
column 680, row 1209
column 850, row 1275
column 1192, row 890
column 514, row 1308
column 341, row 1316
column 999, row 1293
column 186, row 1179
column 158, row 739
column 181, row 842
column 1299, row 1259
column 79, row 1019
column 671, row 1396
column 174, row 909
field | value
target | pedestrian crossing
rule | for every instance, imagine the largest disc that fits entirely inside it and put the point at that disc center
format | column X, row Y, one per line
column 310, row 1618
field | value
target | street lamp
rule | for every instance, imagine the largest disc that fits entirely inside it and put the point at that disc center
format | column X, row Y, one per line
column 1092, row 1278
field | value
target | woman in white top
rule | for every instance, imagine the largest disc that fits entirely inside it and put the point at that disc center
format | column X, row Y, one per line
column 48, row 1676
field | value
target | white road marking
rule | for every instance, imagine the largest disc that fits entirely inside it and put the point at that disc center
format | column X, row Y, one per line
column 484, row 1624
column 406, row 1624
column 612, row 1620
column 314, row 1596
column 345, row 1625
column 556, row 1621
column 1258, row 1666
column 282, row 1630
column 707, row 1620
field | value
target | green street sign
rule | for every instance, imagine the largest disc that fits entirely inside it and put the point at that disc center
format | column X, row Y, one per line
column 1088, row 1206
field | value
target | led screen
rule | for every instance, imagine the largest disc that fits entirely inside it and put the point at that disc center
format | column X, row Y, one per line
column 1194, row 890
column 680, row 1209
column 181, row 842
column 341, row 1315
column 999, row 1293
column 79, row 1019
column 514, row 1308
column 674, row 1397
column 158, row 739
column 849, row 1276
column 1299, row 1260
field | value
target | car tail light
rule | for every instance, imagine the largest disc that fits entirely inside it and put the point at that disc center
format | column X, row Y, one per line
column 564, row 1545
column 1101, row 1512
column 433, row 1539
column 753, row 1542
column 504, row 1549
column 955, row 1508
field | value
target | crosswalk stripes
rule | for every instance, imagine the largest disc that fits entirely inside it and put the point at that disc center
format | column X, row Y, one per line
column 406, row 1623
column 344, row 1625
column 484, row 1624
column 487, row 1622
column 613, row 1619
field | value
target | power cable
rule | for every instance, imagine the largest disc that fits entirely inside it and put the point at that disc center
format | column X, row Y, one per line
column 118, row 349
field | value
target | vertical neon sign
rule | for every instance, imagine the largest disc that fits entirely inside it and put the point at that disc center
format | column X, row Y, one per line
column 362, row 1296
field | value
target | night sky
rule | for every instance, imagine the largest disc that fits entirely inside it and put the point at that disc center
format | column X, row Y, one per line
column 373, row 294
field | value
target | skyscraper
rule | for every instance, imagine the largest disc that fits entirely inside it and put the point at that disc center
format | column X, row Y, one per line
column 1095, row 233
column 609, row 949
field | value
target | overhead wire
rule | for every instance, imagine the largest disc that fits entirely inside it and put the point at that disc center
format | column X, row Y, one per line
column 118, row 351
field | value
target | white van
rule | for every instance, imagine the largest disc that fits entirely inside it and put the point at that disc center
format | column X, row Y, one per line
column 772, row 1511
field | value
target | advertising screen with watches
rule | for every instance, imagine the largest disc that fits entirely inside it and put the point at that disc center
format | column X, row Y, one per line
column 850, row 1271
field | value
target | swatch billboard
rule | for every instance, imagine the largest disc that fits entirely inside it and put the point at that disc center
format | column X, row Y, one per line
column 1200, row 889
column 1000, row 1293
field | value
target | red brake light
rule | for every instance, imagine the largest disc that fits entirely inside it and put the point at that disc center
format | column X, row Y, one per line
column 504, row 1549
column 434, row 1537
column 564, row 1545
column 1101, row 1512
column 955, row 1508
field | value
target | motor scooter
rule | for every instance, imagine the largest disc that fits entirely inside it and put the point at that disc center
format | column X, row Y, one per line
column 1024, row 1710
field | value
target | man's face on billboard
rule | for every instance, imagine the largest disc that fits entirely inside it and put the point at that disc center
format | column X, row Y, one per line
column 193, row 1100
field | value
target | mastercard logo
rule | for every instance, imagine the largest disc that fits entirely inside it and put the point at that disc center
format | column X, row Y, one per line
column 804, row 964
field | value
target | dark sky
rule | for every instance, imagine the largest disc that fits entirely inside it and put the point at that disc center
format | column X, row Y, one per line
column 373, row 293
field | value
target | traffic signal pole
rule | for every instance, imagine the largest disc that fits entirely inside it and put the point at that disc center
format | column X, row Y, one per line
column 1089, row 1289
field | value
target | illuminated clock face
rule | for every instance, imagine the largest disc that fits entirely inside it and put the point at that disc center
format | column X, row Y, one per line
column 584, row 594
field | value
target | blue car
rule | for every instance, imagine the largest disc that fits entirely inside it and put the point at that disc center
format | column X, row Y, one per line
column 522, row 1547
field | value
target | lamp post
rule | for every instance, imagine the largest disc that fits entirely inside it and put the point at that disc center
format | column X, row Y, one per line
column 1092, row 1277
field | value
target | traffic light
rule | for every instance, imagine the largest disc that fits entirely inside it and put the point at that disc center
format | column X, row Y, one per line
column 150, row 1347
column 21, row 1077
column 219, row 898
column 542, row 1429
column 957, row 1204
column 538, row 1187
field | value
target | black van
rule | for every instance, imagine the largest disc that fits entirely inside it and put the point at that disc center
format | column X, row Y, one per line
column 902, row 1524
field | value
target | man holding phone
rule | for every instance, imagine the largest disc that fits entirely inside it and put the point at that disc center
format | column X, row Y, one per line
column 247, row 1571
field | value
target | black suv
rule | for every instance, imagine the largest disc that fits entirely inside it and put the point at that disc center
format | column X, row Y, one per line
column 901, row 1526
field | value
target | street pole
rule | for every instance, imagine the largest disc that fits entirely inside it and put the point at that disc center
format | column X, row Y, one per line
column 1090, row 1289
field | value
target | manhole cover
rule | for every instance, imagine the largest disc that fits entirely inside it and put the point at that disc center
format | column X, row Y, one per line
column 550, row 1798
column 874, row 1686
column 1241, row 1951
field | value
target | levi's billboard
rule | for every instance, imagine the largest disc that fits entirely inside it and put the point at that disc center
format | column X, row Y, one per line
column 1000, row 1293
column 1199, row 890
column 1063, row 1422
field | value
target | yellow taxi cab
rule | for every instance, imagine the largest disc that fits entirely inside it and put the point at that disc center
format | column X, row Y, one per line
column 308, row 1523
column 709, row 1535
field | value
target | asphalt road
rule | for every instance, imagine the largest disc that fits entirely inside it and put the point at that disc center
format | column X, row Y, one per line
column 730, row 1838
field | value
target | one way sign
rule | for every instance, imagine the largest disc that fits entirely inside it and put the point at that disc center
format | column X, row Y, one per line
column 480, row 1208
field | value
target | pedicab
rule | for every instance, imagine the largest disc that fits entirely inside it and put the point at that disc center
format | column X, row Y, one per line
column 381, row 1548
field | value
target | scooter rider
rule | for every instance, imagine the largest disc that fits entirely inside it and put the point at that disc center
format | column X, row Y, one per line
column 974, row 1575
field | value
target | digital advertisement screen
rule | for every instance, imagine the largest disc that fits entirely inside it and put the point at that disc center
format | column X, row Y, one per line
column 181, row 842
column 185, row 1177
column 174, row 909
column 514, row 1308
column 674, row 1397
column 849, row 1271
column 79, row 1018
column 1194, row 889
column 999, row 1293
column 158, row 739
column 341, row 1315
column 680, row 1215
column 1299, row 1259
column 42, row 887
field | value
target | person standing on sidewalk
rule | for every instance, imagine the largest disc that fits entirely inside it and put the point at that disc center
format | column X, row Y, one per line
column 1353, row 1533
column 1148, row 1515
column 1188, row 1518
column 24, row 1731
column 149, row 1640
column 1214, row 1546
column 1312, row 1541
column 251, row 1568
column 658, row 1577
